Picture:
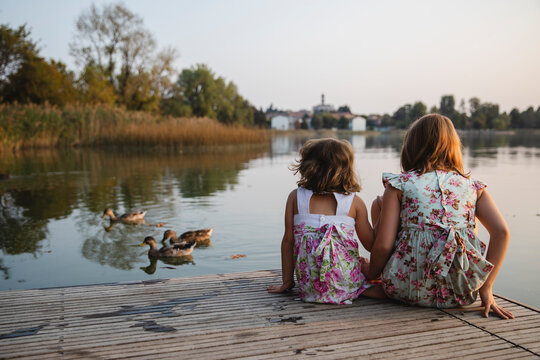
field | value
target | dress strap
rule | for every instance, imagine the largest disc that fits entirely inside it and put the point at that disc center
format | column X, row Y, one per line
column 303, row 196
column 344, row 203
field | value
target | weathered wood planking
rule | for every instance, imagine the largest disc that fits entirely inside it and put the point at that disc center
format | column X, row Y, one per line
column 232, row 316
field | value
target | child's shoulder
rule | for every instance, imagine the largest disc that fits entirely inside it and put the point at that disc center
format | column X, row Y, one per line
column 397, row 181
column 458, row 180
column 293, row 195
column 358, row 202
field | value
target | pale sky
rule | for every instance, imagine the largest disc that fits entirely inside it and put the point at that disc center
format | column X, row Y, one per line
column 371, row 55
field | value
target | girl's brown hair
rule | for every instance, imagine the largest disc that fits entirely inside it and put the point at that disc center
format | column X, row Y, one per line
column 430, row 144
column 327, row 165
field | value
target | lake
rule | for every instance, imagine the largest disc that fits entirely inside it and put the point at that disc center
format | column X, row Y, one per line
column 52, row 233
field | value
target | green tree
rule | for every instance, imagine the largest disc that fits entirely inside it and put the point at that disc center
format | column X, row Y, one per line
column 206, row 95
column 316, row 121
column 114, row 39
column 16, row 48
column 387, row 120
column 198, row 89
column 402, row 116
column 474, row 105
column 501, row 122
column 478, row 120
column 259, row 118
column 343, row 123
column 492, row 113
column 27, row 77
column 528, row 118
column 94, row 87
column 345, row 109
column 447, row 107
column 328, row 121
column 417, row 110
column 515, row 119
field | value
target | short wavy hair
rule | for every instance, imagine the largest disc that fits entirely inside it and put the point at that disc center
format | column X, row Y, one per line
column 432, row 143
column 327, row 165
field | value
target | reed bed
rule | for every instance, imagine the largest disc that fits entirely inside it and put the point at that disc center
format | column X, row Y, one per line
column 44, row 126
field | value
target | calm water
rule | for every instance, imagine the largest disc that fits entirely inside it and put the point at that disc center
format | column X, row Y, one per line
column 51, row 232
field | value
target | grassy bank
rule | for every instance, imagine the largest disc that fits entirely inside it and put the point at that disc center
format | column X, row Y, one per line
column 44, row 126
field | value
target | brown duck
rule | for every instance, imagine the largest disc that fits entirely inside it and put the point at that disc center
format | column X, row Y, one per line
column 182, row 249
column 201, row 237
column 135, row 217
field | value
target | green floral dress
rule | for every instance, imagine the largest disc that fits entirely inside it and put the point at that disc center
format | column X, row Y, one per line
column 438, row 259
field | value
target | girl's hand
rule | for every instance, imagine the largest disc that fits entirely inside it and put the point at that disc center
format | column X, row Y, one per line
column 376, row 208
column 486, row 295
column 364, row 266
column 280, row 288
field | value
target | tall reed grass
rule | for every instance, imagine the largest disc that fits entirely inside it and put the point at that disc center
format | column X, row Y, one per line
column 43, row 126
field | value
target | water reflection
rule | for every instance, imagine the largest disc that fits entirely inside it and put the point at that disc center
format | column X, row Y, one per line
column 178, row 261
column 51, row 206
column 21, row 228
column 51, row 185
column 476, row 144
column 118, row 252
column 288, row 144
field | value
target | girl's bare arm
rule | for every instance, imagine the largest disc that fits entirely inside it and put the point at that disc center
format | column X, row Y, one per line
column 499, row 236
column 386, row 234
column 287, row 243
column 363, row 227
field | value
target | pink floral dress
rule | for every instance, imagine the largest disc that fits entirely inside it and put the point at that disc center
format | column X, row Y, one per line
column 438, row 259
column 327, row 253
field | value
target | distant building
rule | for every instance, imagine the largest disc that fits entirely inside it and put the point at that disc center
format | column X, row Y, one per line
column 282, row 122
column 374, row 120
column 323, row 107
column 358, row 123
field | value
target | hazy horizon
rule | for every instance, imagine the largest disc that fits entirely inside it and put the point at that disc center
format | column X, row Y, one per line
column 373, row 57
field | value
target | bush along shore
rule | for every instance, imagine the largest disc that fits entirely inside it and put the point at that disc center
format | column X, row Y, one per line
column 45, row 126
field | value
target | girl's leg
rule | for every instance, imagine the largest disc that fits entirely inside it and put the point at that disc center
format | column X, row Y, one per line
column 375, row 292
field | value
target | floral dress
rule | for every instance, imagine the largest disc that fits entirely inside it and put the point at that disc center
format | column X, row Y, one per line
column 438, row 259
column 327, row 253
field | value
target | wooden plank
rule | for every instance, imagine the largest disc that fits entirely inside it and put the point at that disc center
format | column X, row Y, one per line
column 225, row 316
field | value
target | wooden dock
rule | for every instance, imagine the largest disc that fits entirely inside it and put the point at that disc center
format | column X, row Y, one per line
column 232, row 316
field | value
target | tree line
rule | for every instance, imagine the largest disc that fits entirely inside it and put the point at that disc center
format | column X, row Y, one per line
column 119, row 64
column 479, row 115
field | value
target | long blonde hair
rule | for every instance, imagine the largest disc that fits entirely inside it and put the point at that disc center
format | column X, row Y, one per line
column 430, row 144
column 327, row 165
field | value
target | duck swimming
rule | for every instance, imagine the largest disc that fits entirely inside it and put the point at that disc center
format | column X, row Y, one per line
column 135, row 217
column 182, row 249
column 201, row 237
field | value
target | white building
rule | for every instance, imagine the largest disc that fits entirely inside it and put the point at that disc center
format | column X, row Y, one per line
column 358, row 123
column 323, row 108
column 282, row 122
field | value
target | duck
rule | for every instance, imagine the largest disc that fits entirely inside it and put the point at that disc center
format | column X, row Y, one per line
column 201, row 237
column 182, row 249
column 135, row 217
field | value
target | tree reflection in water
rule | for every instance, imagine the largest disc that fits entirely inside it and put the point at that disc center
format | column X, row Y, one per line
column 79, row 184
column 20, row 233
column 76, row 185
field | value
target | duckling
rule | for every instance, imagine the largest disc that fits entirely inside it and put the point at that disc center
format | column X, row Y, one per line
column 136, row 217
column 182, row 249
column 201, row 237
